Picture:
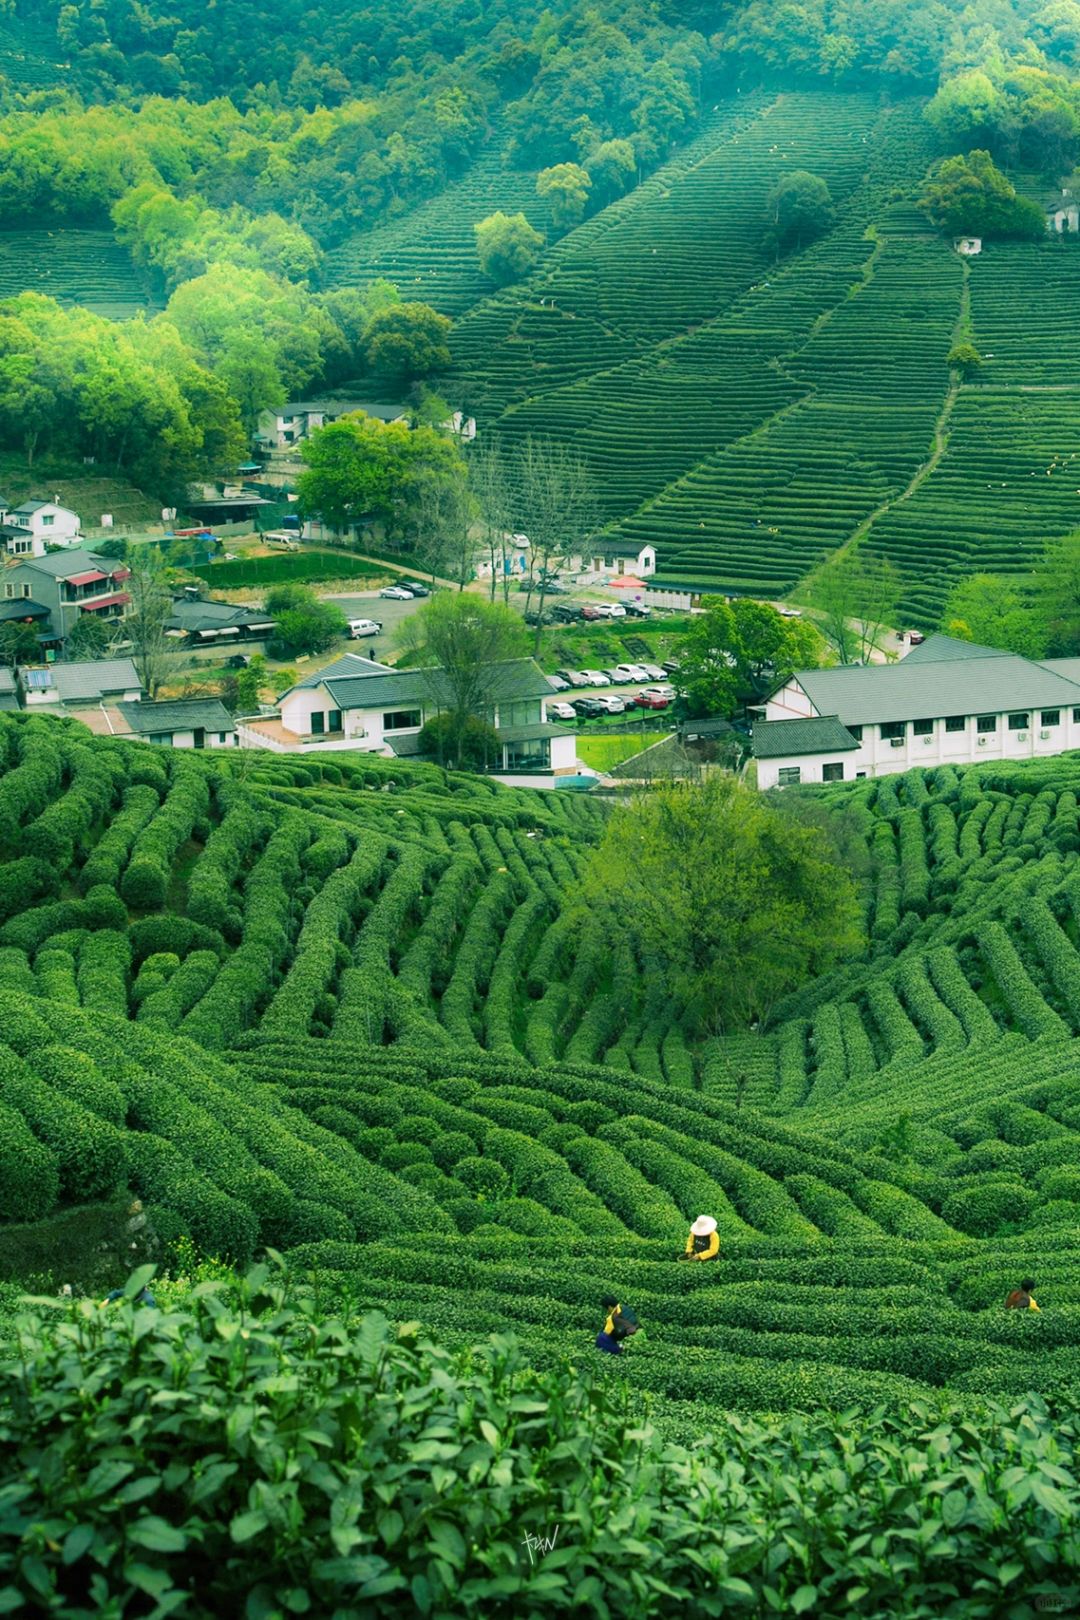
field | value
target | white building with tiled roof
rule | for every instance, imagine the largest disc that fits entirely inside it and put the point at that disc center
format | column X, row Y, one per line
column 948, row 702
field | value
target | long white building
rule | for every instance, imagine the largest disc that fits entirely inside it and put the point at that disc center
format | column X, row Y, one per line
column 948, row 702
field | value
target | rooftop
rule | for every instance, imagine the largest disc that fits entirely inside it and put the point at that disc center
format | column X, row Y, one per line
column 343, row 407
column 942, row 677
column 179, row 714
column 94, row 678
column 62, row 564
column 517, row 678
column 7, row 679
column 347, row 664
column 781, row 739
column 193, row 614
column 22, row 607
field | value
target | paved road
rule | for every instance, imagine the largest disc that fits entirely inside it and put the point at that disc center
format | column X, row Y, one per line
column 390, row 614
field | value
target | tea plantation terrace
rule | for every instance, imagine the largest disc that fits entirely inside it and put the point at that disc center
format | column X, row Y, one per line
column 947, row 702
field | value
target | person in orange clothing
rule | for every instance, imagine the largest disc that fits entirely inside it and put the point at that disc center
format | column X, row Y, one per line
column 1022, row 1298
column 704, row 1240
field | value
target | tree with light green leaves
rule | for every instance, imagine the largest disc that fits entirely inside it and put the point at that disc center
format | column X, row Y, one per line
column 565, row 188
column 507, row 246
column 738, row 901
column 855, row 598
column 996, row 612
column 460, row 640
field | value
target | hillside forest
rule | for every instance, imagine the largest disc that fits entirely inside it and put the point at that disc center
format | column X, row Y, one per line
column 730, row 223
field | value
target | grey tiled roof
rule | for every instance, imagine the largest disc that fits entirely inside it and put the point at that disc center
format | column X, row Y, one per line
column 940, row 649
column 179, row 714
column 94, row 678
column 779, row 739
column 193, row 615
column 347, row 664
column 516, row 679
column 76, row 560
column 929, row 690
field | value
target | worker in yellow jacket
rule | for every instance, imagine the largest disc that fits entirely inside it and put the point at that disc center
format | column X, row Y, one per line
column 1022, row 1298
column 704, row 1240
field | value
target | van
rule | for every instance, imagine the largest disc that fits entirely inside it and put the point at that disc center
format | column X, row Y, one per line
column 283, row 538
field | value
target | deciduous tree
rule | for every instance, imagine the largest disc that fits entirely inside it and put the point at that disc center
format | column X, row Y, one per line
column 460, row 640
column 739, row 902
column 508, row 247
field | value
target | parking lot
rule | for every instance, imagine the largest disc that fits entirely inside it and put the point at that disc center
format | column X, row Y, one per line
column 384, row 610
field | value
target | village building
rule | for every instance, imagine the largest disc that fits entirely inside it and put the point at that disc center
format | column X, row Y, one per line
column 9, row 692
column 357, row 703
column 29, row 529
column 296, row 421
column 968, row 246
column 197, row 622
column 948, row 702
column 176, row 723
column 59, row 688
column 67, row 584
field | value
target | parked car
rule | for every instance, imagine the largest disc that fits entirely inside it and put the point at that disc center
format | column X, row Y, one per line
column 596, row 677
column 915, row 637
column 670, row 665
column 665, row 692
column 358, row 628
column 557, row 683
column 587, row 708
column 632, row 672
column 572, row 677
column 610, row 610
column 649, row 700
column 638, row 610
column 589, row 610
column 789, row 613
column 532, row 617
column 555, row 587
column 565, row 613
column 612, row 704
column 237, row 661
column 563, row 711
column 396, row 593
column 653, row 671
column 414, row 587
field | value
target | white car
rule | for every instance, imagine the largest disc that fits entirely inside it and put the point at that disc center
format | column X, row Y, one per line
column 596, row 677
column 654, row 672
column 667, row 692
column 561, row 711
column 609, row 610
column 612, row 704
column 394, row 593
column 632, row 672
column 363, row 627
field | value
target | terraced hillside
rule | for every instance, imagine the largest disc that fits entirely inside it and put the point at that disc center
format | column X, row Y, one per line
column 352, row 1009
column 430, row 253
column 75, row 266
column 747, row 417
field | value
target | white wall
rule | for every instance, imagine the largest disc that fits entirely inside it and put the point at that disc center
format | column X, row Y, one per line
column 62, row 531
column 810, row 769
column 363, row 726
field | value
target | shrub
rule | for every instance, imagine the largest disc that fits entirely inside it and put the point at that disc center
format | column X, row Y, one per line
column 29, row 1174
column 484, row 1178
column 982, row 1210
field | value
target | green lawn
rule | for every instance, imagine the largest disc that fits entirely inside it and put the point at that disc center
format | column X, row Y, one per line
column 604, row 753
column 291, row 567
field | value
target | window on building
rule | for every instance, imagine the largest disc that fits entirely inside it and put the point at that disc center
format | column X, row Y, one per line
column 1019, row 722
column 860, row 776
column 986, row 722
column 318, row 724
column 956, row 722
column 856, row 732
column 894, row 728
column 9, row 591
column 520, row 714
column 47, row 520
column 402, row 720
column 530, row 755
column 833, row 773
column 923, row 728
column 334, row 719
column 1050, row 717
column 790, row 776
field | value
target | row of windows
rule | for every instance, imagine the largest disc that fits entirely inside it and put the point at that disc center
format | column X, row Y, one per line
column 1021, row 721
column 791, row 775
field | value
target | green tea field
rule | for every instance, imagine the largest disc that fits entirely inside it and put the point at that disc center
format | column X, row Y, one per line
column 75, row 266
column 353, row 1013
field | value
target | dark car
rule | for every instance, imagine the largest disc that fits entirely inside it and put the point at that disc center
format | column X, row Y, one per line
column 414, row 587
column 532, row 617
column 563, row 613
column 238, row 661
column 670, row 664
column 638, row 610
column 553, row 587
column 588, row 708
